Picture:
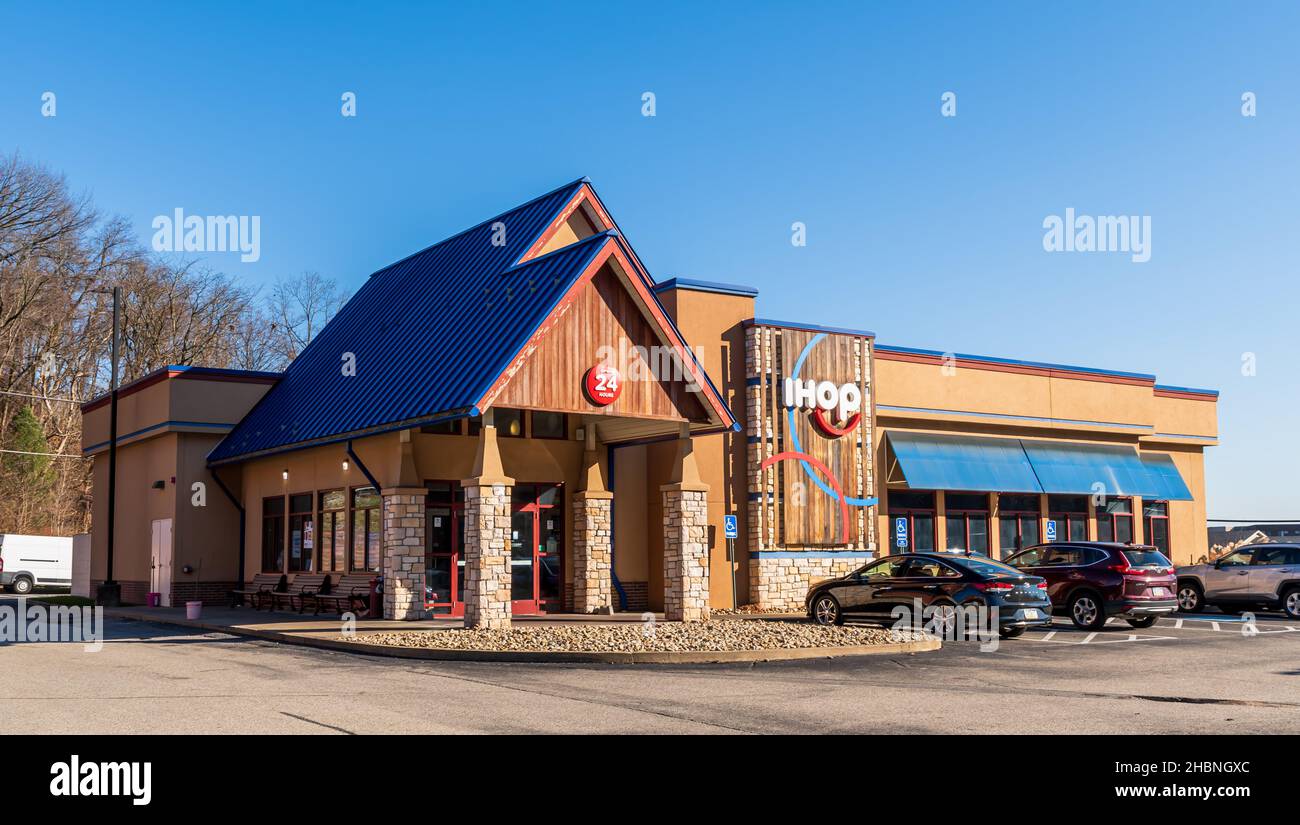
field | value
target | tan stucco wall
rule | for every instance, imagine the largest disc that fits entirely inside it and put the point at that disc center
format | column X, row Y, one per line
column 712, row 322
column 1082, row 410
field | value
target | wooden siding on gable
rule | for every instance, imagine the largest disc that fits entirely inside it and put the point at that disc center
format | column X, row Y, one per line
column 603, row 317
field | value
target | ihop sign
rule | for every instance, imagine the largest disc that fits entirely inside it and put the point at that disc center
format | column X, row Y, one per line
column 824, row 398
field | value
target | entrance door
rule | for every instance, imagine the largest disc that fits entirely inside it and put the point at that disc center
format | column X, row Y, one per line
column 160, row 566
column 536, row 549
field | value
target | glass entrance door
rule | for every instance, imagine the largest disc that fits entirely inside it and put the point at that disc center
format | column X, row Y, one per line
column 536, row 549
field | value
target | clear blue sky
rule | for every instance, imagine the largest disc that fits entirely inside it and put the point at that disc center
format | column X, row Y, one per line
column 927, row 230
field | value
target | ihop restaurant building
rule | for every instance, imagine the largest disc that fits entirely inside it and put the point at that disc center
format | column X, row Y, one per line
column 520, row 419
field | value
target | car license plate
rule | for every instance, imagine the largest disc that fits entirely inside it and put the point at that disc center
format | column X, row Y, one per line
column 1030, row 614
column 1161, row 592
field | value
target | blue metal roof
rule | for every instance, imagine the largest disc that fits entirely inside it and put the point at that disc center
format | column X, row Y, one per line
column 429, row 334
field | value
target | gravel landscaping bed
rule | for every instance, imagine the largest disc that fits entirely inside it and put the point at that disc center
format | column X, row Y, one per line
column 754, row 610
column 636, row 638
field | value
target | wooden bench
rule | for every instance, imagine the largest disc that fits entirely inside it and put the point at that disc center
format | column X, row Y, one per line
column 351, row 591
column 303, row 587
column 263, row 585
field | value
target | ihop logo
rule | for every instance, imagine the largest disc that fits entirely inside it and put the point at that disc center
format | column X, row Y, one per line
column 824, row 398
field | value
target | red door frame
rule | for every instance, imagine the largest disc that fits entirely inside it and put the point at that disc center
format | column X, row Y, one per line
column 524, row 607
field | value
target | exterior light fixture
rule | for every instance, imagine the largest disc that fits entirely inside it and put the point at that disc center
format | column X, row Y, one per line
column 515, row 427
column 345, row 465
column 285, row 475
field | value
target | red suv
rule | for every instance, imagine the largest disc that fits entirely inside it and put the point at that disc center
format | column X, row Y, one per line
column 1090, row 581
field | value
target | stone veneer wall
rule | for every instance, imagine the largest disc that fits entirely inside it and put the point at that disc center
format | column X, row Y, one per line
column 593, row 584
column 774, row 581
column 487, row 556
column 404, row 554
column 783, row 581
column 686, row 555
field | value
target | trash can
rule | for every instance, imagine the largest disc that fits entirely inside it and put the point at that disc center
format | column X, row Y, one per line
column 153, row 599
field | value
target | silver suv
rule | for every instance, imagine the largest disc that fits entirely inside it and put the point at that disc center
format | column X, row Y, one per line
column 1258, row 574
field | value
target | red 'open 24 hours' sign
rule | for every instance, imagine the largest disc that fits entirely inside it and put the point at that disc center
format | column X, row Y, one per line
column 602, row 384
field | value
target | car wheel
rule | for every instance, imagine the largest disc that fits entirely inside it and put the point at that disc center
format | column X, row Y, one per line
column 943, row 621
column 22, row 585
column 1190, row 598
column 1291, row 602
column 1145, row 621
column 826, row 611
column 1011, row 632
column 1086, row 612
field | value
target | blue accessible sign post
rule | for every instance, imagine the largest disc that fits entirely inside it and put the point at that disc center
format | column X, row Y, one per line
column 900, row 532
column 731, row 532
column 1051, row 530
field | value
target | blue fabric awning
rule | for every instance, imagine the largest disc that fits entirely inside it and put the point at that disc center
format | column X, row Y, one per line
column 939, row 461
column 1165, row 482
column 931, row 461
column 1072, row 467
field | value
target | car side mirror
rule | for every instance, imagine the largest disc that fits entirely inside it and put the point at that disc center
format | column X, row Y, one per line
column 1218, row 564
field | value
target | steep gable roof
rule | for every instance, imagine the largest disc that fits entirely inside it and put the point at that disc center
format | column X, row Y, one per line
column 431, row 335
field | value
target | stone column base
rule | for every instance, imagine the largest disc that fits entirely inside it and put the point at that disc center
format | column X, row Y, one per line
column 686, row 553
column 404, row 553
column 593, row 584
column 487, row 553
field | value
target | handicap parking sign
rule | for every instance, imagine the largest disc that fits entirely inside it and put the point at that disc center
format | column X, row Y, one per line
column 900, row 531
column 729, row 526
column 1051, row 530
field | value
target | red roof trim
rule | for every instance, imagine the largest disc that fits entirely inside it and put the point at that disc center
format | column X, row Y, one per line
column 1188, row 396
column 611, row 249
column 584, row 194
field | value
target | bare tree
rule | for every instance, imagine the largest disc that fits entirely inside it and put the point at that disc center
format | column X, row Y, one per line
column 300, row 308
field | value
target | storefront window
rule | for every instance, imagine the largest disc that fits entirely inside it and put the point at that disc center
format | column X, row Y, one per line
column 967, row 522
column 302, row 545
column 1155, row 524
column 549, row 425
column 367, row 506
column 273, row 535
column 451, row 427
column 1115, row 520
column 918, row 510
column 1017, row 522
column 510, row 423
column 1071, row 516
column 333, row 531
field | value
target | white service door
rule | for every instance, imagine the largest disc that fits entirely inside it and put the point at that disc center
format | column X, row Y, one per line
column 160, row 574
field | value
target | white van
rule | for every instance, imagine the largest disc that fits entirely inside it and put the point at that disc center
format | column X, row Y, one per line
column 32, row 561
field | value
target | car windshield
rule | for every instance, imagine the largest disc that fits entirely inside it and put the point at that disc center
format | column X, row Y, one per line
column 1146, row 557
column 986, row 567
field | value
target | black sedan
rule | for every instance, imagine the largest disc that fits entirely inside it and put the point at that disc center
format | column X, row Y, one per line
column 940, row 583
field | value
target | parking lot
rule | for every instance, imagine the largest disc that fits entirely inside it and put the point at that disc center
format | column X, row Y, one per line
column 1189, row 674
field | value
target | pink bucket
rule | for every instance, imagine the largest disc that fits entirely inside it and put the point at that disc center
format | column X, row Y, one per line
column 193, row 610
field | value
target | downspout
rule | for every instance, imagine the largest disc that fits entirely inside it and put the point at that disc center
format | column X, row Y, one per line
column 242, row 520
column 613, row 568
column 361, row 465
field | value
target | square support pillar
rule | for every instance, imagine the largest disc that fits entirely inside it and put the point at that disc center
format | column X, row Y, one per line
column 686, row 552
column 593, row 529
column 487, row 554
column 404, row 553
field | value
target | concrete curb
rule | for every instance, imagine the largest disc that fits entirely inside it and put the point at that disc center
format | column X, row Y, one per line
column 563, row 657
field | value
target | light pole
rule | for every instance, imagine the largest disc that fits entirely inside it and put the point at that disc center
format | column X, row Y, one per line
column 109, row 594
